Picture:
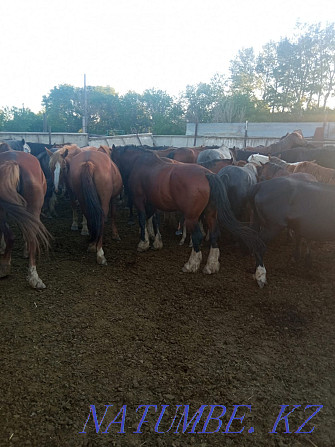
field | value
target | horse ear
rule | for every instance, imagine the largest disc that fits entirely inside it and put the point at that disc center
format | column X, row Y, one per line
column 233, row 154
column 64, row 154
column 48, row 152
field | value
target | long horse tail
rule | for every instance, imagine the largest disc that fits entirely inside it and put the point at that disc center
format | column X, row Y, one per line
column 226, row 218
column 15, row 206
column 92, row 205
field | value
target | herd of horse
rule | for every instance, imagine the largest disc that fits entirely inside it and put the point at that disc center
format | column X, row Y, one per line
column 252, row 193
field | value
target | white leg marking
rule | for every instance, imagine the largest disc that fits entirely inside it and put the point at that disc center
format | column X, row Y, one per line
column 182, row 240
column 213, row 264
column 84, row 230
column 158, row 243
column 260, row 276
column 34, row 280
column 100, row 257
column 150, row 228
column 144, row 245
column 193, row 264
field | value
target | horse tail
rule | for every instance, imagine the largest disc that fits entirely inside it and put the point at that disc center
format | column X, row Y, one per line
column 92, row 205
column 226, row 218
column 15, row 206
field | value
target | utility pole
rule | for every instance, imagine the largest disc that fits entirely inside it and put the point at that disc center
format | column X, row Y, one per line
column 85, row 107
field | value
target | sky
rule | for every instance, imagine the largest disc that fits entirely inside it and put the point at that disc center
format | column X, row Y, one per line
column 135, row 44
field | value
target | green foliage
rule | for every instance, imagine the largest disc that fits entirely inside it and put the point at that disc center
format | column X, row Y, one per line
column 63, row 108
column 21, row 120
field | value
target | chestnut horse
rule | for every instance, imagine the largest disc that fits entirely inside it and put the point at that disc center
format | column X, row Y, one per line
column 272, row 170
column 58, row 164
column 95, row 180
column 22, row 190
column 188, row 188
column 186, row 154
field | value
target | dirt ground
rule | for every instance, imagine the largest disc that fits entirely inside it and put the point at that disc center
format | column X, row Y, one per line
column 141, row 332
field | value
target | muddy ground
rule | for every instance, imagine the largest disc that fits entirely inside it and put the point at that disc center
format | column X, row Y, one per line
column 141, row 332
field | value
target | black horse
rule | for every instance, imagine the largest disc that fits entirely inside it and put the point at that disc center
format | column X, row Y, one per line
column 238, row 181
column 50, row 196
column 17, row 145
column 307, row 208
column 39, row 148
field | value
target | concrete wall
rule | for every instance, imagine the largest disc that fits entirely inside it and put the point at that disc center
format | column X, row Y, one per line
column 164, row 140
column 257, row 130
column 81, row 139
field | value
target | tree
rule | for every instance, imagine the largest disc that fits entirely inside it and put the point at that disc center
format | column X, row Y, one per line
column 166, row 115
column 63, row 108
column 134, row 118
column 22, row 120
column 103, row 110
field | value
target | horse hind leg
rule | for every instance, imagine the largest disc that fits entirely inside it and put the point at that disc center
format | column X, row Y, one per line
column 193, row 264
column 115, row 233
column 84, row 228
column 213, row 264
column 144, row 243
column 266, row 234
column 33, row 279
column 158, row 243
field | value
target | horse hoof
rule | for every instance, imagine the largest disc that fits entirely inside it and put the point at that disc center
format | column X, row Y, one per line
column 84, row 233
column 158, row 243
column 144, row 246
column 74, row 227
column 4, row 270
column 210, row 271
column 36, row 283
column 260, row 276
column 193, row 264
column 181, row 242
column 102, row 261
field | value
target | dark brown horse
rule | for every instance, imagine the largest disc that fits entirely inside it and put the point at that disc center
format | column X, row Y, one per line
column 188, row 188
column 22, row 190
column 95, row 180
